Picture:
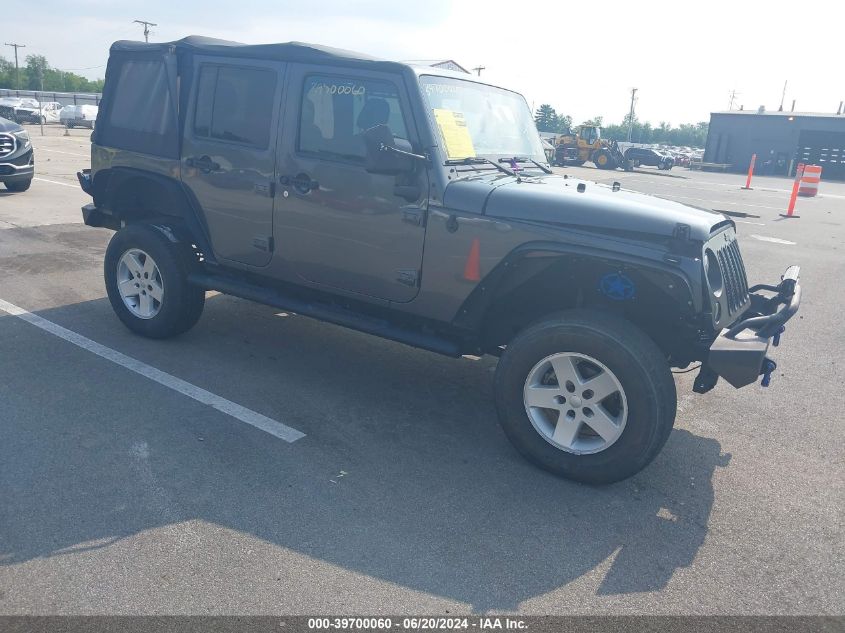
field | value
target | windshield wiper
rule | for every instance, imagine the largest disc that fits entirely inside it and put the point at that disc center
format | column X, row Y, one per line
column 480, row 160
column 525, row 159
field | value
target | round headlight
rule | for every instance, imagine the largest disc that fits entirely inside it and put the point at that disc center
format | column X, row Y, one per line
column 713, row 272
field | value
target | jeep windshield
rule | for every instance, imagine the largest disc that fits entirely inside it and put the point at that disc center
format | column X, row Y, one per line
column 480, row 121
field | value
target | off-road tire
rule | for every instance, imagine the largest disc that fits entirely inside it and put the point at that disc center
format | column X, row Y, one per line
column 637, row 363
column 19, row 186
column 609, row 163
column 182, row 303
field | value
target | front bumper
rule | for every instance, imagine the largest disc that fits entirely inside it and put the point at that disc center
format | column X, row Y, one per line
column 17, row 166
column 739, row 353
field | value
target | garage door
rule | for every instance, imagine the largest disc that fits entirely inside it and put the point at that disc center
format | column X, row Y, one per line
column 823, row 148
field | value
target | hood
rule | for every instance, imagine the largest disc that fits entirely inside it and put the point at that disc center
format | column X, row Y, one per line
column 557, row 200
column 9, row 126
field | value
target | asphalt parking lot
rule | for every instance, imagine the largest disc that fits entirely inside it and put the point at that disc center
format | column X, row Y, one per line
column 121, row 494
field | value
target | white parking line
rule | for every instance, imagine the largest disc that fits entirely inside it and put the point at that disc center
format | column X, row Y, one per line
column 754, row 223
column 273, row 427
column 58, row 151
column 53, row 182
column 773, row 240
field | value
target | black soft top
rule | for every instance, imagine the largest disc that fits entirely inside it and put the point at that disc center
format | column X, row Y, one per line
column 287, row 51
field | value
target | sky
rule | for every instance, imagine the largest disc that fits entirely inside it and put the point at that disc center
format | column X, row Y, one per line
column 684, row 58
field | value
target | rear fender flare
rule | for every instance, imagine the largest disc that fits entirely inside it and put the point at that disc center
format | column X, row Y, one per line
column 179, row 210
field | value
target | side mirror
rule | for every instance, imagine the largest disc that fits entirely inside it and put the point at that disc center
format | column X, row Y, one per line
column 386, row 155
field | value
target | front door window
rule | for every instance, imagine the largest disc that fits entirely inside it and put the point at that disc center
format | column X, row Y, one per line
column 335, row 112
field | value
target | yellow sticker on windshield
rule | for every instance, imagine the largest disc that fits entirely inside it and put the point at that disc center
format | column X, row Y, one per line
column 455, row 133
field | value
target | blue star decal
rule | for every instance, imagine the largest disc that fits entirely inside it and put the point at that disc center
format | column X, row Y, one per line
column 617, row 286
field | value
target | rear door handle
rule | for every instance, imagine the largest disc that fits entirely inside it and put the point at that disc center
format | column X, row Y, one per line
column 301, row 182
column 203, row 163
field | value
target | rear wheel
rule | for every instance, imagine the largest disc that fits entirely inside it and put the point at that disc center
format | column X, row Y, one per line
column 146, row 280
column 586, row 395
column 19, row 186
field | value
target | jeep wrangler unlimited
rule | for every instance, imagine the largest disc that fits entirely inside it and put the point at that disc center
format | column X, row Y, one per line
column 416, row 204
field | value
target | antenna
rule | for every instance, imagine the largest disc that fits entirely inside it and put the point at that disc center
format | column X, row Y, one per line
column 734, row 95
column 478, row 69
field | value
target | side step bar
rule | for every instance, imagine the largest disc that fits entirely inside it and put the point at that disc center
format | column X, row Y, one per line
column 338, row 316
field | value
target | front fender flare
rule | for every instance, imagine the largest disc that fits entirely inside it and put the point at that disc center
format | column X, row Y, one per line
column 686, row 285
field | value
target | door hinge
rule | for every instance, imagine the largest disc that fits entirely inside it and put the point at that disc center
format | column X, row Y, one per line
column 413, row 216
column 266, row 189
column 263, row 244
column 408, row 276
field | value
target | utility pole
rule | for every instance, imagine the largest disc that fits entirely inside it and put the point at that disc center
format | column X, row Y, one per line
column 734, row 95
column 147, row 26
column 17, row 73
column 41, row 99
column 631, row 114
column 478, row 69
column 783, row 96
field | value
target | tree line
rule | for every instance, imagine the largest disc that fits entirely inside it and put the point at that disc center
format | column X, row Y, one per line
column 36, row 70
column 686, row 134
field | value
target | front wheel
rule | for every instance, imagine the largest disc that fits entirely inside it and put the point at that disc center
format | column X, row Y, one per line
column 147, row 282
column 586, row 395
column 604, row 160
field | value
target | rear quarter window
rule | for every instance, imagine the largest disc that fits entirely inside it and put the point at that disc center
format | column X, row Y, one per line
column 141, row 101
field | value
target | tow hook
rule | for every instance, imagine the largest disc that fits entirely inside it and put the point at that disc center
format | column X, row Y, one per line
column 776, row 338
column 768, row 367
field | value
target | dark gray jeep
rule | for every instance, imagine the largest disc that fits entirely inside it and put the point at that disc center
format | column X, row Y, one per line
column 416, row 204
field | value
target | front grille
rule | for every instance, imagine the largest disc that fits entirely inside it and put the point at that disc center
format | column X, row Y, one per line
column 7, row 144
column 733, row 274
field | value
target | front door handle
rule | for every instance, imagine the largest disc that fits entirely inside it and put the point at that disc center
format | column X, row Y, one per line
column 203, row 163
column 301, row 182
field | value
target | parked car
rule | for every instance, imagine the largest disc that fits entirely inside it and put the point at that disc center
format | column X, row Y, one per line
column 17, row 160
column 10, row 105
column 646, row 156
column 48, row 112
column 79, row 116
column 381, row 196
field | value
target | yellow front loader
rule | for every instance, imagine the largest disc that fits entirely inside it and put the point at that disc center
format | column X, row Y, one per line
column 586, row 144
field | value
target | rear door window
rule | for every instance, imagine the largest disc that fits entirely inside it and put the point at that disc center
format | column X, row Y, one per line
column 235, row 104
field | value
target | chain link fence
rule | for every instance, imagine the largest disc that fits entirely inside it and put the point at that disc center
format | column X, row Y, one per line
column 65, row 98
